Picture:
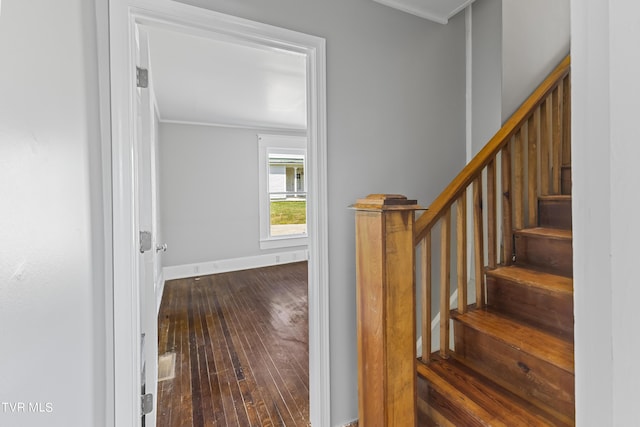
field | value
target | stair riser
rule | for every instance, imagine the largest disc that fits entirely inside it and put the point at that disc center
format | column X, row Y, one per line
column 550, row 311
column 541, row 383
column 555, row 214
column 545, row 254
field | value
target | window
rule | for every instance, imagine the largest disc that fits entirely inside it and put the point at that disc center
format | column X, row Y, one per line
column 283, row 191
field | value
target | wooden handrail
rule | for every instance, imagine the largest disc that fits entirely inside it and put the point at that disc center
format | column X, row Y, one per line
column 460, row 183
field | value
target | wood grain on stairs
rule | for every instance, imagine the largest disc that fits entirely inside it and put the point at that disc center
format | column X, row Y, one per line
column 526, row 339
column 545, row 249
column 565, row 185
column 555, row 211
column 464, row 398
column 531, row 363
column 540, row 299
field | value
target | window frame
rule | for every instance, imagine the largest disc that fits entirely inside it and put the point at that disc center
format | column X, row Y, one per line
column 268, row 143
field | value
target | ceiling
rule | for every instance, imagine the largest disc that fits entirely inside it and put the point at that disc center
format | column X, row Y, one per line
column 220, row 82
column 439, row 11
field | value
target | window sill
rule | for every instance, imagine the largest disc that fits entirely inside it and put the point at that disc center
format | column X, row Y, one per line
column 284, row 242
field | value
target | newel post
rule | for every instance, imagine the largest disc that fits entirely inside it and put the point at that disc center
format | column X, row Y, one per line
column 386, row 310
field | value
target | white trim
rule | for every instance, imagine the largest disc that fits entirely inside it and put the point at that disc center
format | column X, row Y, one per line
column 102, row 36
column 160, row 290
column 126, row 324
column 246, row 125
column 435, row 328
column 423, row 12
column 233, row 264
column 123, row 16
column 435, row 322
column 401, row 5
column 269, row 143
column 318, row 230
column 457, row 10
column 284, row 242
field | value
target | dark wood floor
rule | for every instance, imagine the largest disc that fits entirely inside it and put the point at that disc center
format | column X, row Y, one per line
column 241, row 344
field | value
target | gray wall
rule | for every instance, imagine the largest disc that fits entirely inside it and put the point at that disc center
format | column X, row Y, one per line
column 52, row 290
column 209, row 193
column 530, row 50
column 396, row 93
column 396, row 124
column 512, row 54
column 487, row 71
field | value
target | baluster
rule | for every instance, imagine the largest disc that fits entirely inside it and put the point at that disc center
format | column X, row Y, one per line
column 566, row 121
column 491, row 214
column 565, row 176
column 461, row 210
column 544, row 148
column 556, row 140
column 518, row 190
column 478, row 241
column 425, row 246
column 445, row 288
column 507, row 232
column 532, row 168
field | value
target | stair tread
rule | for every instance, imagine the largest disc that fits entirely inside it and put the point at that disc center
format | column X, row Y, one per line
column 553, row 233
column 534, row 278
column 559, row 197
column 537, row 343
column 486, row 402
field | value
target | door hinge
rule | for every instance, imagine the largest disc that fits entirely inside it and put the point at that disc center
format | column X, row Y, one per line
column 146, row 403
column 142, row 77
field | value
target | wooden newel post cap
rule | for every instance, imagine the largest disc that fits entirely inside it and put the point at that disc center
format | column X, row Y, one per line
column 386, row 202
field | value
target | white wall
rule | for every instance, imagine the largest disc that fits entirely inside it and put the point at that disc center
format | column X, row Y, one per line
column 624, row 110
column 535, row 38
column 52, row 290
column 605, row 102
column 209, row 193
column 396, row 105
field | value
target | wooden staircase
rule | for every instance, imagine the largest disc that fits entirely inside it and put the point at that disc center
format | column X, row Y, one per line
column 511, row 362
column 513, row 359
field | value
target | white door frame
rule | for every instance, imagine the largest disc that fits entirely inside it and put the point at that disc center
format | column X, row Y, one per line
column 124, row 15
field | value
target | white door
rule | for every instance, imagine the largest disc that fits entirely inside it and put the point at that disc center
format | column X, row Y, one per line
column 145, row 195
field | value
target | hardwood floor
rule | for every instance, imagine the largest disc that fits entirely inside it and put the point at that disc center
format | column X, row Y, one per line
column 241, row 344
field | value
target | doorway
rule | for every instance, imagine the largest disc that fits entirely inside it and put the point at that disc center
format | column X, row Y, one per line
column 124, row 17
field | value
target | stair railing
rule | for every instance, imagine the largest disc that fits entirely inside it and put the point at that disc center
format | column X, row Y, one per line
column 524, row 160
column 529, row 151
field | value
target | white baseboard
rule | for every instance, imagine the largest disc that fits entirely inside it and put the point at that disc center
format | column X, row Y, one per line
column 435, row 328
column 159, row 290
column 233, row 264
column 435, row 323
